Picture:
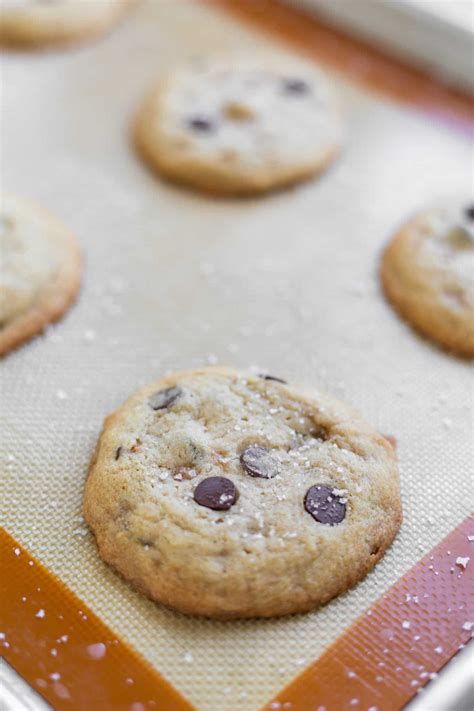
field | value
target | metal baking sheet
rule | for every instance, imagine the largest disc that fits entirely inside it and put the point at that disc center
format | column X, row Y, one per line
column 286, row 283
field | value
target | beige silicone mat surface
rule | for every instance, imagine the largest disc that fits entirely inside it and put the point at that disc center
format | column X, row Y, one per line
column 287, row 283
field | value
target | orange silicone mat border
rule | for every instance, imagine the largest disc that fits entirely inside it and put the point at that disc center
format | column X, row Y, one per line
column 64, row 651
column 381, row 661
column 356, row 60
column 70, row 639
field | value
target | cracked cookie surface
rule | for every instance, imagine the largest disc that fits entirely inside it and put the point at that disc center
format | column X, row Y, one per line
column 239, row 126
column 40, row 268
column 427, row 273
column 240, row 496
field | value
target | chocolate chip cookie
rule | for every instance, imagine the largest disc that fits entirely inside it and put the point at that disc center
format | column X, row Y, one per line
column 50, row 22
column 235, row 126
column 40, row 267
column 427, row 273
column 230, row 495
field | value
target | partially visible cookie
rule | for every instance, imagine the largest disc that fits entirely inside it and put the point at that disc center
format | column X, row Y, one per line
column 427, row 273
column 239, row 126
column 229, row 495
column 40, row 267
column 50, row 22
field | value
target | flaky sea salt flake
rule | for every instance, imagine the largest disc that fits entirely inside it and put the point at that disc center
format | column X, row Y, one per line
column 61, row 691
column 96, row 651
column 89, row 335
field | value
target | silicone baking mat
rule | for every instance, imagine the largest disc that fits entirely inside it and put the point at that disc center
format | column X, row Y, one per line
column 285, row 283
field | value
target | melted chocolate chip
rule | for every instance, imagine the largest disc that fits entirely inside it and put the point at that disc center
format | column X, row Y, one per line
column 216, row 492
column 164, row 398
column 259, row 462
column 201, row 124
column 324, row 505
column 118, row 453
column 296, row 86
column 469, row 212
column 273, row 377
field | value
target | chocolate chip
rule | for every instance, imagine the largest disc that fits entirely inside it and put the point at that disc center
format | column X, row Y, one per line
column 469, row 212
column 324, row 505
column 295, row 86
column 259, row 462
column 118, row 453
column 272, row 377
column 164, row 398
column 216, row 492
column 201, row 124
